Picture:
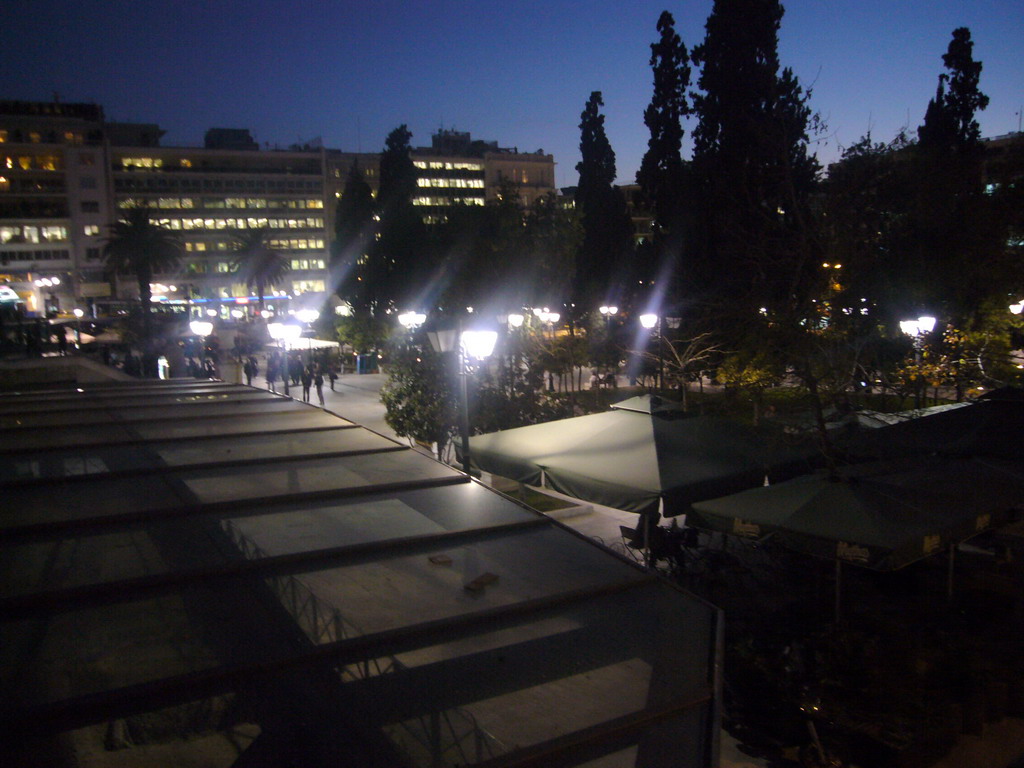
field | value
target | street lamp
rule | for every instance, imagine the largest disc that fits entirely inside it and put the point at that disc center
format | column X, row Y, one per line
column 308, row 316
column 79, row 314
column 476, row 345
column 609, row 312
column 202, row 329
column 284, row 334
column 649, row 320
column 410, row 320
column 918, row 329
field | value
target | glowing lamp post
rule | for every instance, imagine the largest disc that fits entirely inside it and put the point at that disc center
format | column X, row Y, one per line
column 469, row 345
column 609, row 312
column 79, row 314
column 308, row 316
column 649, row 321
column 917, row 330
column 284, row 334
column 410, row 320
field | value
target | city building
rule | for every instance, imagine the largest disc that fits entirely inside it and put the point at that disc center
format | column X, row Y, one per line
column 54, row 203
column 66, row 174
column 211, row 195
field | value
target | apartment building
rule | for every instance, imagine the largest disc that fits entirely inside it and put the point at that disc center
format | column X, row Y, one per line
column 54, row 202
column 66, row 173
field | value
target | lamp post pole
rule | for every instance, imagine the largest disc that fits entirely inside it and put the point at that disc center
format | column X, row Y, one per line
column 649, row 321
column 463, row 401
column 464, row 344
column 917, row 329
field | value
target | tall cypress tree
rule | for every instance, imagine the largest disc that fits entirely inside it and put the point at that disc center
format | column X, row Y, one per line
column 661, row 175
column 394, row 264
column 752, row 164
column 604, row 257
column 959, row 260
column 353, row 233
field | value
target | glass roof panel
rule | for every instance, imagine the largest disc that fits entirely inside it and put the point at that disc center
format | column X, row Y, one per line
column 260, row 421
column 282, row 444
column 304, row 476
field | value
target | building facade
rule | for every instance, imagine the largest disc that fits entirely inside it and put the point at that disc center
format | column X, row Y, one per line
column 66, row 174
column 54, row 203
column 211, row 196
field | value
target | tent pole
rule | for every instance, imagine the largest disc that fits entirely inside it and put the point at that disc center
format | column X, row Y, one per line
column 949, row 575
column 839, row 589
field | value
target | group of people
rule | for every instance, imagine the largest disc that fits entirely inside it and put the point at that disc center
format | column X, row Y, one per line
column 309, row 376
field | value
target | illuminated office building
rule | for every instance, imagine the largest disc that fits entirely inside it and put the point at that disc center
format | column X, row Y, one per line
column 66, row 173
column 213, row 194
column 54, row 202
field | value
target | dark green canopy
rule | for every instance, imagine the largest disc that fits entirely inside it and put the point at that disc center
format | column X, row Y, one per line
column 990, row 428
column 643, row 451
column 881, row 515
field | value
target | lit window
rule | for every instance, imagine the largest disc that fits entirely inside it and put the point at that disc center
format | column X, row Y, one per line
column 25, row 163
column 185, row 163
column 35, row 137
column 91, row 230
column 3, row 137
column 5, row 184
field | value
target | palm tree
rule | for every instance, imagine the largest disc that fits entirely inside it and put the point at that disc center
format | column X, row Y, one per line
column 261, row 265
column 137, row 246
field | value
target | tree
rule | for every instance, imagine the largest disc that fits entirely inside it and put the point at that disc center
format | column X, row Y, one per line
column 139, row 247
column 419, row 396
column 604, row 255
column 950, row 118
column 661, row 175
column 960, row 256
column 353, row 230
column 257, row 262
column 394, row 265
column 754, row 174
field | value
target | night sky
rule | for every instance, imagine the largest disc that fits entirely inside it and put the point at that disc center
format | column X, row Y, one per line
column 516, row 72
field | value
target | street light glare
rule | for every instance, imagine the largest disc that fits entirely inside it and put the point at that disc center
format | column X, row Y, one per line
column 648, row 320
column 201, row 327
column 479, row 344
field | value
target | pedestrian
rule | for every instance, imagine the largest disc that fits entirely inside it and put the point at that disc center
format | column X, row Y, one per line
column 307, row 382
column 271, row 374
column 247, row 368
column 332, row 374
column 318, row 382
column 62, row 341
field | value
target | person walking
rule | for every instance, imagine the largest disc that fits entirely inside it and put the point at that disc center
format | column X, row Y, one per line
column 318, row 382
column 247, row 368
column 332, row 374
column 271, row 374
column 307, row 382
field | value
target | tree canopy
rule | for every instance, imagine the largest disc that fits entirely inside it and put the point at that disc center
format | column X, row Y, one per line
column 137, row 246
column 604, row 260
column 258, row 263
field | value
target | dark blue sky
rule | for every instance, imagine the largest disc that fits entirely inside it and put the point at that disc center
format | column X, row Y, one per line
column 513, row 71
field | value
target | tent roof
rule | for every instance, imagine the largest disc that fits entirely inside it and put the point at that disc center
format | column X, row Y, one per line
column 881, row 515
column 642, row 451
